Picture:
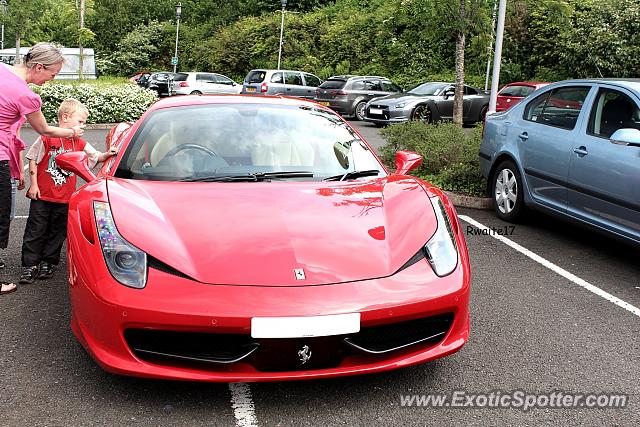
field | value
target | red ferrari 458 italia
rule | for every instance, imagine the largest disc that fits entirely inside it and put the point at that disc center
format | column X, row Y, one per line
column 237, row 238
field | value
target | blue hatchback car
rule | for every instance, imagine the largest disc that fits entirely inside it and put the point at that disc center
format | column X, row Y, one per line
column 570, row 148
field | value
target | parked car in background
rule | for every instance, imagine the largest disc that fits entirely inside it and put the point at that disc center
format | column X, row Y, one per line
column 281, row 82
column 512, row 93
column 199, row 83
column 572, row 150
column 348, row 95
column 429, row 102
column 137, row 76
column 160, row 82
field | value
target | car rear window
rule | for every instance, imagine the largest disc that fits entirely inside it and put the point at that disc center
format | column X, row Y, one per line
column 517, row 90
column 333, row 84
column 256, row 76
column 180, row 77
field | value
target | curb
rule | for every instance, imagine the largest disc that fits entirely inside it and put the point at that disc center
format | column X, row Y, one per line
column 463, row 201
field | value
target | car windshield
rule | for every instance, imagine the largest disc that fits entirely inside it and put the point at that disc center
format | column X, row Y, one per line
column 428, row 89
column 246, row 142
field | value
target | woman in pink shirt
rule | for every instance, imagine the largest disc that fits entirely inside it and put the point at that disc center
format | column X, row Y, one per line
column 17, row 103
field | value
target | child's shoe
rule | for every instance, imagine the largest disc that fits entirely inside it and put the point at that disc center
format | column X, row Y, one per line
column 29, row 274
column 46, row 271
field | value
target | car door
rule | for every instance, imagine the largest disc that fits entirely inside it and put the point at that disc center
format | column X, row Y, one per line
column 311, row 83
column 293, row 84
column 277, row 84
column 373, row 89
column 604, row 178
column 205, row 83
column 225, row 84
column 444, row 103
column 544, row 139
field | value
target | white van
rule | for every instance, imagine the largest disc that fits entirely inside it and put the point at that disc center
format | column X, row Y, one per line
column 70, row 69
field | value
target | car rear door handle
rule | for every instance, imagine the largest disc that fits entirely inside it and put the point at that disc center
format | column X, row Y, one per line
column 581, row 151
column 523, row 136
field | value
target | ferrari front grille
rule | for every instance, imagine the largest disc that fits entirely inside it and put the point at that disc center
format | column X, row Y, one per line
column 396, row 336
column 151, row 345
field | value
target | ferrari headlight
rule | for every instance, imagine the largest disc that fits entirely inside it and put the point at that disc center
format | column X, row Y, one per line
column 127, row 264
column 401, row 105
column 441, row 250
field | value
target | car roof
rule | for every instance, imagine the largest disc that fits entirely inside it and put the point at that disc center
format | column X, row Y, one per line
column 526, row 84
column 268, row 70
column 353, row 77
column 625, row 82
column 193, row 100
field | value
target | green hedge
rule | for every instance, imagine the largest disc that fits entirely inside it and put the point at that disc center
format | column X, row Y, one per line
column 107, row 102
column 450, row 154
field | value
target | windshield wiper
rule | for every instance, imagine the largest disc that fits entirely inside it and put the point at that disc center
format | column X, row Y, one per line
column 250, row 177
column 353, row 175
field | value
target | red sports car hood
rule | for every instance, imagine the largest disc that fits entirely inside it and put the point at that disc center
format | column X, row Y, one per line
column 259, row 233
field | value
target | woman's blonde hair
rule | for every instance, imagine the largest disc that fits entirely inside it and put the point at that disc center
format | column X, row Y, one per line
column 43, row 53
column 70, row 106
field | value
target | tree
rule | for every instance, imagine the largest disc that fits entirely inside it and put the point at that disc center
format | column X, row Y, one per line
column 464, row 17
column 23, row 15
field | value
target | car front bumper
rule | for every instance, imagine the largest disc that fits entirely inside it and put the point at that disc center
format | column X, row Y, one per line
column 386, row 115
column 106, row 315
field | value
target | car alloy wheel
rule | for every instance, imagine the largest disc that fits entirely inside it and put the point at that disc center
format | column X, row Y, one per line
column 422, row 113
column 507, row 191
column 360, row 110
column 196, row 92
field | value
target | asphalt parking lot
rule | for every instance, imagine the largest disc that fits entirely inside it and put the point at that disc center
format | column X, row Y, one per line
column 553, row 309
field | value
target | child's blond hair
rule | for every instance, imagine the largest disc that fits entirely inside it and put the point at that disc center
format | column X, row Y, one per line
column 70, row 106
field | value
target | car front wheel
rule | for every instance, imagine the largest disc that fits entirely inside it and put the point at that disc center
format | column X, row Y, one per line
column 361, row 110
column 422, row 113
column 507, row 192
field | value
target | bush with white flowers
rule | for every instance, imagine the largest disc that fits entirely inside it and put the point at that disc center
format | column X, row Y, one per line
column 107, row 103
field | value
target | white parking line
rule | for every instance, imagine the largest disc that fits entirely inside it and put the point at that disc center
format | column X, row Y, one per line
column 553, row 267
column 242, row 405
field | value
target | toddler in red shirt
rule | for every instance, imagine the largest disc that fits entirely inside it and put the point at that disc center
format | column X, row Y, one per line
column 50, row 190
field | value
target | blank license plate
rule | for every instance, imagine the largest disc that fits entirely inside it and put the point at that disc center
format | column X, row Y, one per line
column 308, row 326
column 376, row 111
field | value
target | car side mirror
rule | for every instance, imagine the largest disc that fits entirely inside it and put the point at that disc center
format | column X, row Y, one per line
column 449, row 93
column 406, row 161
column 76, row 162
column 629, row 137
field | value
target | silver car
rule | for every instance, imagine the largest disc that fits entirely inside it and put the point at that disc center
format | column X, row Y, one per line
column 281, row 82
column 348, row 95
column 199, row 83
column 428, row 102
column 572, row 149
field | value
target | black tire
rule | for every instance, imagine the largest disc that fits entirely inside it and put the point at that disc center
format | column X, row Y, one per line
column 422, row 113
column 483, row 114
column 360, row 112
column 196, row 92
column 511, row 207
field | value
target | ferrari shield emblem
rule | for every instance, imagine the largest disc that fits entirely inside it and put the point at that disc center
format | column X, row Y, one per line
column 299, row 273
